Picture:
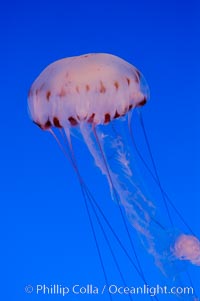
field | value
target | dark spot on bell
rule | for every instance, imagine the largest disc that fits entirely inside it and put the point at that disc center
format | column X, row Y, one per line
column 107, row 118
column 56, row 123
column 87, row 88
column 130, row 107
column 128, row 81
column 91, row 118
column 48, row 94
column 142, row 103
column 116, row 84
column 102, row 88
column 73, row 121
column 116, row 115
column 45, row 126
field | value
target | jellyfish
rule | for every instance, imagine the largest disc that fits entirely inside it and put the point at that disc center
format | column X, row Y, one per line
column 187, row 247
column 94, row 96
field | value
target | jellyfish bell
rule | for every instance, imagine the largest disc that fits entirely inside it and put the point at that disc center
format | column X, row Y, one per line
column 93, row 88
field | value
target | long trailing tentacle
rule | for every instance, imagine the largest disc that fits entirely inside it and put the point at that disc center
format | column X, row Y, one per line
column 119, row 206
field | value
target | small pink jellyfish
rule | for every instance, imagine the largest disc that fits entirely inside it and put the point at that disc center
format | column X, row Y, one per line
column 95, row 95
column 187, row 247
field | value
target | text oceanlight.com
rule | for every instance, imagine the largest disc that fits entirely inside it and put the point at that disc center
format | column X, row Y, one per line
column 90, row 289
